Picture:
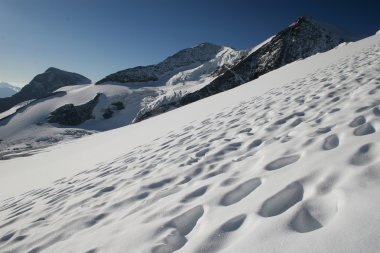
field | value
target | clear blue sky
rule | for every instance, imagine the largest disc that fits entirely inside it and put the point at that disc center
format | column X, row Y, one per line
column 98, row 37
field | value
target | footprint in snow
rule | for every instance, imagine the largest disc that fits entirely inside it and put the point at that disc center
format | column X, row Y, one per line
column 330, row 142
column 314, row 214
column 282, row 201
column 359, row 120
column 181, row 226
column 365, row 154
column 376, row 111
column 364, row 129
column 195, row 194
column 240, row 192
column 219, row 237
column 282, row 162
column 104, row 190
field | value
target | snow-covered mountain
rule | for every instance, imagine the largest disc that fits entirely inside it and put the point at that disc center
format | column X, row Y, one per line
column 301, row 39
column 189, row 58
column 7, row 90
column 287, row 162
column 42, row 85
column 138, row 93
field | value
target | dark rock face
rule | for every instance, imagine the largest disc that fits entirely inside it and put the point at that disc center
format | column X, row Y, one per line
column 187, row 57
column 42, row 85
column 70, row 115
column 117, row 106
column 300, row 40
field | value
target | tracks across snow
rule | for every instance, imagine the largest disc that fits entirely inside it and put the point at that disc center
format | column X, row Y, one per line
column 300, row 158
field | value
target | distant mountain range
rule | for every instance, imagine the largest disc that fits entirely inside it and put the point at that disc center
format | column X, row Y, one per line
column 135, row 94
column 7, row 90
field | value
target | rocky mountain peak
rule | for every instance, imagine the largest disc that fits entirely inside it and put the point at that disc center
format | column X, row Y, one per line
column 207, row 46
column 52, row 69
column 303, row 19
column 309, row 24
column 42, row 85
column 180, row 61
column 54, row 78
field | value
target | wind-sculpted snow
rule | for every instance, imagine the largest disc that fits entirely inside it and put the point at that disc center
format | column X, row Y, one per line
column 292, row 169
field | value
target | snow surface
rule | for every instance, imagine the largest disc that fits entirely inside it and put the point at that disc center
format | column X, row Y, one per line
column 28, row 129
column 286, row 163
column 14, row 109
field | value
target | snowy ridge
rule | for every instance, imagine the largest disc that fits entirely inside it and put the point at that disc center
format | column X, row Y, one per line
column 194, row 79
column 226, row 57
column 279, row 164
column 184, row 59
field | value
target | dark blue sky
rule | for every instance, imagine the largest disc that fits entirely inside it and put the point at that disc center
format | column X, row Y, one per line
column 98, row 37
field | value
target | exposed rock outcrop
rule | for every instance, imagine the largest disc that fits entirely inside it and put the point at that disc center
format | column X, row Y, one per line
column 71, row 115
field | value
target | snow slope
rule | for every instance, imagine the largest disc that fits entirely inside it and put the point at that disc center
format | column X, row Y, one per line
column 286, row 163
column 28, row 128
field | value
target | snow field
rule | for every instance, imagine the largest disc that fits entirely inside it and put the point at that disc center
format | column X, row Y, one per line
column 286, row 163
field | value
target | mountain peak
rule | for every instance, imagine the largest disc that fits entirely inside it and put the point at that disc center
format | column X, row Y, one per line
column 54, row 78
column 206, row 44
column 52, row 69
column 308, row 21
column 305, row 18
column 184, row 59
column 43, row 84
